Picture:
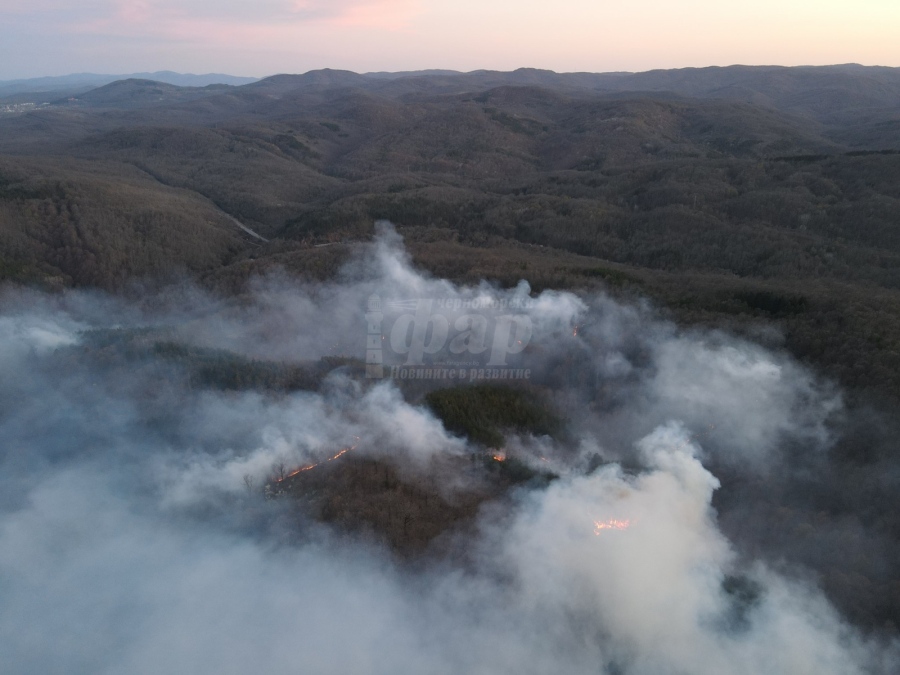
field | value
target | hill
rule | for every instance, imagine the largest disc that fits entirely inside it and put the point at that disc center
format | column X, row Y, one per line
column 702, row 186
column 138, row 93
column 762, row 200
column 66, row 222
column 86, row 81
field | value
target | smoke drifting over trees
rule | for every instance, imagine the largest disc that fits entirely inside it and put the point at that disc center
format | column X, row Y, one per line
column 135, row 535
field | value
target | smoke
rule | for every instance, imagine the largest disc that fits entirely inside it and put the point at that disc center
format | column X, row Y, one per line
column 134, row 536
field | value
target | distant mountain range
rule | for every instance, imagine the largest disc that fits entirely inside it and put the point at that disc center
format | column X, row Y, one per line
column 822, row 92
column 86, row 81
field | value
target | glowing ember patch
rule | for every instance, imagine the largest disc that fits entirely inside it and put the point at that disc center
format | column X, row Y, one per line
column 499, row 457
column 612, row 524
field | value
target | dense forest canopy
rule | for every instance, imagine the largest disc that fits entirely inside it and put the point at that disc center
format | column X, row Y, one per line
column 759, row 202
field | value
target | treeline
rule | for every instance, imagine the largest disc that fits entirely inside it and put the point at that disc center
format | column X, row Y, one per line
column 484, row 412
column 201, row 367
column 833, row 218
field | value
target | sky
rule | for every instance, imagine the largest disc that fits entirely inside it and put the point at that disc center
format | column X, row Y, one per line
column 57, row 37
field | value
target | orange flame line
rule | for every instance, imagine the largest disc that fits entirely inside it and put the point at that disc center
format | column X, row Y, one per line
column 611, row 524
column 343, row 452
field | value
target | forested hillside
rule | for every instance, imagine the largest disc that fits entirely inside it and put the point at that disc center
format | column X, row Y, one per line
column 764, row 201
column 729, row 195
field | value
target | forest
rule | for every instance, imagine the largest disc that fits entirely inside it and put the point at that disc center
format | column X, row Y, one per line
column 723, row 198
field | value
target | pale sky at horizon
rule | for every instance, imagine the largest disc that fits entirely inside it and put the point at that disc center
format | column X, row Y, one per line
column 55, row 37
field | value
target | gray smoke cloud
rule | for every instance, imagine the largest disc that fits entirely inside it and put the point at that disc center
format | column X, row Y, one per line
column 129, row 542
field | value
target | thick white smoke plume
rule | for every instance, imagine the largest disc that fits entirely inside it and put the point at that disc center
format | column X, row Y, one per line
column 134, row 537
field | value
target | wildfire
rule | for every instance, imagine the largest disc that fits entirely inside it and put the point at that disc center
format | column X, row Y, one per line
column 296, row 471
column 308, row 467
column 611, row 524
column 499, row 457
column 575, row 331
